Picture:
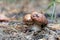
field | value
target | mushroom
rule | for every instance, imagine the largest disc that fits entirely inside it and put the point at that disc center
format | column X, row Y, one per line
column 3, row 18
column 39, row 18
column 27, row 19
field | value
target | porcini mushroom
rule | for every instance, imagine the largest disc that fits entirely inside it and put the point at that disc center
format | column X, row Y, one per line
column 39, row 18
column 27, row 19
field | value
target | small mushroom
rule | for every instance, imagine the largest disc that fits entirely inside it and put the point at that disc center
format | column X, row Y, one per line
column 27, row 19
column 3, row 18
column 39, row 18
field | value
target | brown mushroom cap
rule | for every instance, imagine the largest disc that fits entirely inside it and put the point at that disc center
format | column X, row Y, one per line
column 39, row 18
column 3, row 18
column 27, row 19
